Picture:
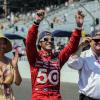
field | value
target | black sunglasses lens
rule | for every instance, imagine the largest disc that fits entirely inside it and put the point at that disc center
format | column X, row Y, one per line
column 96, row 40
column 52, row 39
column 45, row 39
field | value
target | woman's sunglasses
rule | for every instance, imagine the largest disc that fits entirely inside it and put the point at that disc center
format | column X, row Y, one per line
column 96, row 40
column 47, row 39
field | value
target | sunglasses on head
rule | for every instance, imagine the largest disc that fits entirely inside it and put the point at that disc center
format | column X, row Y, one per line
column 96, row 40
column 47, row 39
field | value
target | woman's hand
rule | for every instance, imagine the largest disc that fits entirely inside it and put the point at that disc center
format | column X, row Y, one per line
column 15, row 58
column 17, row 77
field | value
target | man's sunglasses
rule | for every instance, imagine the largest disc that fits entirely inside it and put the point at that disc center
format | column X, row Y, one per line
column 47, row 39
column 96, row 40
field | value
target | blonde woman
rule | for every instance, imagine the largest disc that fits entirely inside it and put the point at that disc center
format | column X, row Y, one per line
column 9, row 72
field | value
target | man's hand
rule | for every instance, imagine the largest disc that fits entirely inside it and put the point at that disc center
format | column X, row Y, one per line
column 79, row 19
column 39, row 16
column 85, row 42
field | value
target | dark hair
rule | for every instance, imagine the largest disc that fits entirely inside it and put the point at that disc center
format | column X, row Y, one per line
column 4, row 40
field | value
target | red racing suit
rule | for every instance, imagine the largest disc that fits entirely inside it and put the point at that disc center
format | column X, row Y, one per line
column 45, row 69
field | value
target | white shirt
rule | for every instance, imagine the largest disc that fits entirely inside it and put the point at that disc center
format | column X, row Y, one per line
column 89, row 73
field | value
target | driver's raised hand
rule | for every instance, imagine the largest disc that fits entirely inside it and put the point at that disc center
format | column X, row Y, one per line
column 39, row 16
column 79, row 17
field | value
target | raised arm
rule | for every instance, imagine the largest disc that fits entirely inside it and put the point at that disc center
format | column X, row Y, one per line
column 76, row 59
column 31, row 49
column 17, row 76
column 72, row 45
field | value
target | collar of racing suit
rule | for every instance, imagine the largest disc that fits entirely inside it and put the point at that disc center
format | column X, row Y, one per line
column 44, row 53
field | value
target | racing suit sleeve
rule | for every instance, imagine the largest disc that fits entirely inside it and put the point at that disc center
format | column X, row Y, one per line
column 70, row 48
column 31, row 50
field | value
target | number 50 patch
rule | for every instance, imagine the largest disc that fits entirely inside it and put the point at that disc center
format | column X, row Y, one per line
column 43, row 76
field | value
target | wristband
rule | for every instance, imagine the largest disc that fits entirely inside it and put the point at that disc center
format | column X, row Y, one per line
column 36, row 23
column 79, row 28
